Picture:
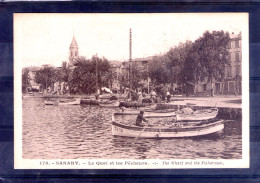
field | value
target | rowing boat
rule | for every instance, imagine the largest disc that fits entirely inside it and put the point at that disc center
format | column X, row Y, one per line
column 154, row 114
column 111, row 103
column 49, row 102
column 74, row 102
column 174, row 131
column 198, row 115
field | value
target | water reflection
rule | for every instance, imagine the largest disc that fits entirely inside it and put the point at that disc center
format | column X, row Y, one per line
column 69, row 132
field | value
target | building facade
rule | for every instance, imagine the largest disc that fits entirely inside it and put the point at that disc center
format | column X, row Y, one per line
column 233, row 74
column 138, row 65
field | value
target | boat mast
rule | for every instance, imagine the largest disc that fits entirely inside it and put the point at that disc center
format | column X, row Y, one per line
column 130, row 61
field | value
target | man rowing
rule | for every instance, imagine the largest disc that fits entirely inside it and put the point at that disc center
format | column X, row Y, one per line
column 140, row 118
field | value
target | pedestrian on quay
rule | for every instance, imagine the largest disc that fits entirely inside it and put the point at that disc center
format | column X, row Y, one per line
column 153, row 96
column 168, row 95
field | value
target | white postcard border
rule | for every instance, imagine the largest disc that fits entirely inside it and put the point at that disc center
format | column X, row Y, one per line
column 21, row 163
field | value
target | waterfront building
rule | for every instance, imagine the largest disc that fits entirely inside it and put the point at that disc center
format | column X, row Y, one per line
column 233, row 75
column 32, row 85
column 138, row 65
column 116, row 69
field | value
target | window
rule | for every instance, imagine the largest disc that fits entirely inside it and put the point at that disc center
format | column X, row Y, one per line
column 71, row 53
column 76, row 53
column 237, row 57
column 229, row 57
column 237, row 44
column 232, row 44
column 238, row 70
column 204, row 87
column 229, row 44
column 225, row 86
column 229, row 71
column 231, row 86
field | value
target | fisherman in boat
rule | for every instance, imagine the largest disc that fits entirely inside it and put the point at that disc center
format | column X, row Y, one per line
column 140, row 118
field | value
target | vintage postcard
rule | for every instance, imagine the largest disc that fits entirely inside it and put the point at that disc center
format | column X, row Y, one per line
column 131, row 91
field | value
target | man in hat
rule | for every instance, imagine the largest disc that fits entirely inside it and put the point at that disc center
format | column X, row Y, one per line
column 140, row 118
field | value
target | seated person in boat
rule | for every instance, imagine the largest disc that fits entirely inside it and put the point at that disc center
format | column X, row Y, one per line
column 140, row 118
column 186, row 110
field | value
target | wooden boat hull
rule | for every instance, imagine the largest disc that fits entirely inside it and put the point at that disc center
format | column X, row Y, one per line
column 198, row 115
column 29, row 95
column 89, row 101
column 134, row 104
column 149, row 114
column 75, row 102
column 49, row 102
column 119, row 129
column 109, row 104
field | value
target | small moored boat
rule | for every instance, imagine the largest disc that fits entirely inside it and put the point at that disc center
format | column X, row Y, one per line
column 154, row 114
column 198, row 115
column 73, row 102
column 119, row 129
column 49, row 102
column 28, row 95
column 111, row 103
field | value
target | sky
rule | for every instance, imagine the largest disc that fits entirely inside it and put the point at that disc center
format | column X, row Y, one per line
column 45, row 38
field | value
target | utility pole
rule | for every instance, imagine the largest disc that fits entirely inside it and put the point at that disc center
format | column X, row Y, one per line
column 96, row 74
column 147, row 70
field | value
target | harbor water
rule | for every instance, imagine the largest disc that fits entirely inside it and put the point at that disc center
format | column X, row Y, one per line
column 84, row 132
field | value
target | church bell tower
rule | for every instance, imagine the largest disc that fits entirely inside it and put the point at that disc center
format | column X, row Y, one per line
column 73, row 52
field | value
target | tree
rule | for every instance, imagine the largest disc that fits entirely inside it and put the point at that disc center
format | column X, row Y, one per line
column 158, row 71
column 209, row 56
column 45, row 76
column 25, row 79
column 65, row 71
column 176, row 60
column 81, row 76
column 90, row 74
column 139, row 74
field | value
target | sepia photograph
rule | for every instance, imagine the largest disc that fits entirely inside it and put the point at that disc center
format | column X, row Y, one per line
column 131, row 91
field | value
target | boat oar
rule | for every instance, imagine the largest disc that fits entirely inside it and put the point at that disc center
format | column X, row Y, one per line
column 141, row 131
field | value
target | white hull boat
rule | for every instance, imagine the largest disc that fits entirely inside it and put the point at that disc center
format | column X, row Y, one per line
column 119, row 129
column 74, row 102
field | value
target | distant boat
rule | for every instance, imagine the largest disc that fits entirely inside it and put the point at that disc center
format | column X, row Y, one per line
column 134, row 104
column 49, row 102
column 198, row 129
column 28, row 95
column 111, row 103
column 74, row 102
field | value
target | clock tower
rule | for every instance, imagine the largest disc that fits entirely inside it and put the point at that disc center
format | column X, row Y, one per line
column 73, row 51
